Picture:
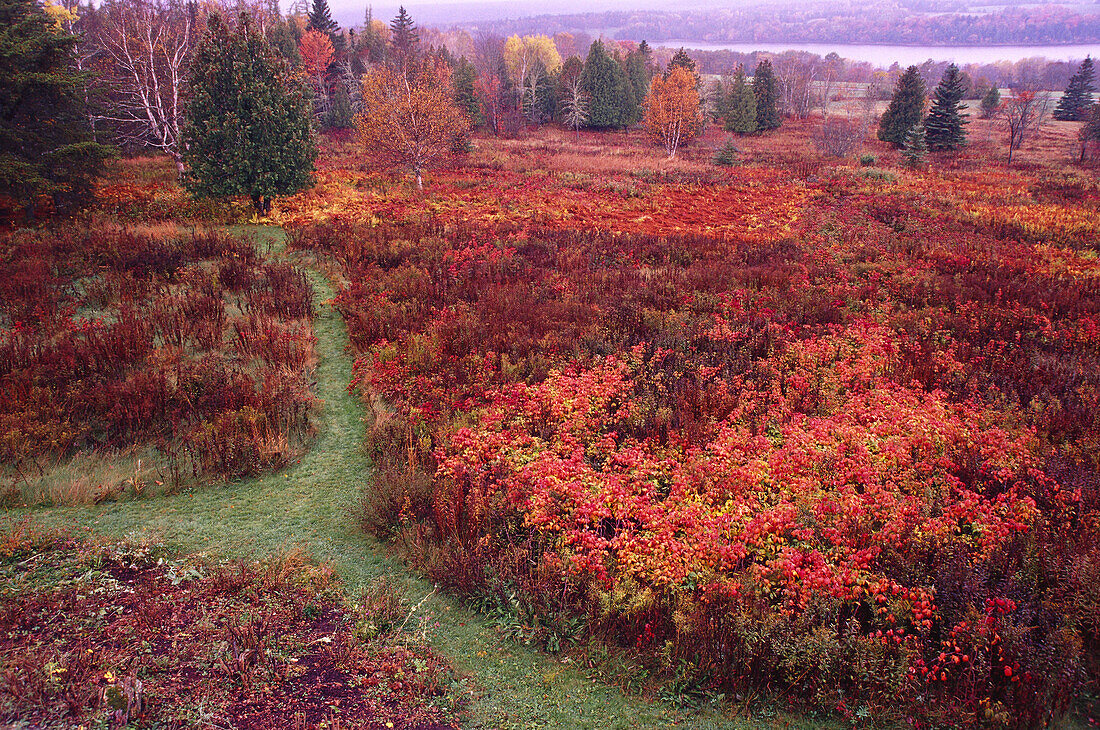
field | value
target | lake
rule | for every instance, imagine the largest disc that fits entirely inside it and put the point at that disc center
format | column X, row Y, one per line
column 884, row 56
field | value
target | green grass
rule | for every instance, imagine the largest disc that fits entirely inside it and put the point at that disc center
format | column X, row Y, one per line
column 311, row 505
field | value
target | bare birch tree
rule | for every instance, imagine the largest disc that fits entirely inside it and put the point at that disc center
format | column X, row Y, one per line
column 149, row 44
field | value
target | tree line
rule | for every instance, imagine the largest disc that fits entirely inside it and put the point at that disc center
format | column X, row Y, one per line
column 236, row 98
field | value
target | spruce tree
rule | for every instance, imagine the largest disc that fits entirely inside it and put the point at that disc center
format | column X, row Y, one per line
column 766, row 89
column 320, row 18
column 404, row 38
column 248, row 119
column 915, row 146
column 46, row 145
column 1077, row 98
column 990, row 102
column 610, row 97
column 906, row 108
column 465, row 78
column 742, row 114
column 944, row 126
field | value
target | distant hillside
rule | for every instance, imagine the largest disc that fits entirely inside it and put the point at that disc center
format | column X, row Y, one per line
column 878, row 22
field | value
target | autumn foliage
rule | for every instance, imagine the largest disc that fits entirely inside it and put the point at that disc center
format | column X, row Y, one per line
column 113, row 338
column 410, row 118
column 836, row 438
column 672, row 109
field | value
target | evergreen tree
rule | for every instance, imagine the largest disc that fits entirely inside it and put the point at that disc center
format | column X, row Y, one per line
column 766, row 89
column 1089, row 134
column 681, row 59
column 604, row 82
column 404, row 38
column 718, row 98
column 320, row 18
column 906, row 109
column 639, row 71
column 248, row 119
column 742, row 114
column 990, row 102
column 371, row 39
column 283, row 38
column 915, row 147
column 1077, row 98
column 341, row 115
column 943, row 128
column 465, row 80
column 46, row 145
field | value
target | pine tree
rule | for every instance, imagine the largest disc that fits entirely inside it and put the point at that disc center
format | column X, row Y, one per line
column 944, row 126
column 906, row 109
column 990, row 102
column 404, row 38
column 766, row 89
column 681, row 59
column 1075, row 102
column 742, row 115
column 604, row 82
column 248, row 121
column 320, row 18
column 46, row 145
column 915, row 147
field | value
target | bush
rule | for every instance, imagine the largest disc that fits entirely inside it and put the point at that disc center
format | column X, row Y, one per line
column 727, row 155
column 868, row 160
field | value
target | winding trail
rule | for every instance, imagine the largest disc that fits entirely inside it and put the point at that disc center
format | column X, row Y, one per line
column 311, row 504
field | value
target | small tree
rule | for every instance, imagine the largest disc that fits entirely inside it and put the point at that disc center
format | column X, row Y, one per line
column 575, row 106
column 915, row 147
column 341, row 115
column 741, row 115
column 1022, row 114
column 317, row 54
column 1075, row 102
column 410, row 119
column 1089, row 134
column 906, row 109
column 991, row 102
column 248, row 120
column 838, row 136
column 672, row 109
column 945, row 122
column 46, row 145
column 766, row 89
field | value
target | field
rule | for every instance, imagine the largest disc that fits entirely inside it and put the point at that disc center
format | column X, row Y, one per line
column 801, row 434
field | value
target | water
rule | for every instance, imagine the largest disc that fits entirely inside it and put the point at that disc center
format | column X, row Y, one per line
column 884, row 56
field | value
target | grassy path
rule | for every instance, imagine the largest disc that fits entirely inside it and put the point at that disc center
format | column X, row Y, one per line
column 309, row 505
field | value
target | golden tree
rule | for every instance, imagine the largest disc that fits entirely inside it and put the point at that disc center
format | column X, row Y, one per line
column 410, row 119
column 672, row 109
column 528, row 59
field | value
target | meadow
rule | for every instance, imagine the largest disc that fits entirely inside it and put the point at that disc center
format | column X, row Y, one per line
column 795, row 424
column 798, row 433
